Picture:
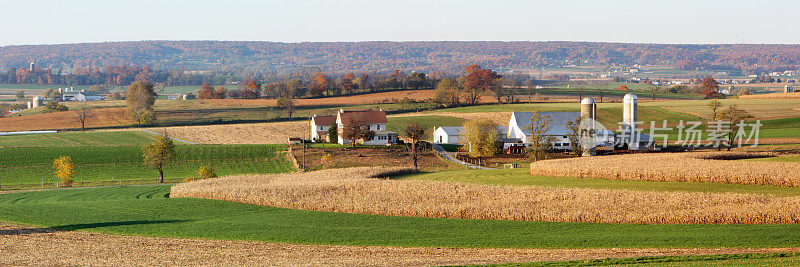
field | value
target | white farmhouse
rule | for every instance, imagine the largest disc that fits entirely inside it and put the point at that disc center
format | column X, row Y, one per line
column 320, row 126
column 374, row 119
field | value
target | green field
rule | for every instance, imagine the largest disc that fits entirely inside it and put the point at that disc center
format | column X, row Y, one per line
column 143, row 210
column 33, row 165
column 64, row 139
column 398, row 124
column 522, row 176
column 753, row 259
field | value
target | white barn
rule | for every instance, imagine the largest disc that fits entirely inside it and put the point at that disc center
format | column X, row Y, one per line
column 558, row 127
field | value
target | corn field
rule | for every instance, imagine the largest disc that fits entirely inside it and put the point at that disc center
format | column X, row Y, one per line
column 793, row 95
column 705, row 167
column 353, row 190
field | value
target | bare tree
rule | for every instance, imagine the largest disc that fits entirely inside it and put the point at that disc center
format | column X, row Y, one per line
column 540, row 141
column 82, row 114
column 415, row 132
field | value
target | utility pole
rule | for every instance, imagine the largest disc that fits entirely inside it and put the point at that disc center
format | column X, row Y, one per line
column 303, row 142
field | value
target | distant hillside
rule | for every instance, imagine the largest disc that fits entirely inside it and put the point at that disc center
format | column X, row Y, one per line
column 339, row 57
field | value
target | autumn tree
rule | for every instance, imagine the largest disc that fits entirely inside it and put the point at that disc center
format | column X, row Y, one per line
column 540, row 141
column 19, row 94
column 295, row 88
column 140, row 98
column 207, row 92
column 479, row 81
column 447, row 93
column 65, row 169
column 347, row 84
column 415, row 132
column 159, row 153
column 480, row 138
column 355, row 129
column 319, row 84
column 709, row 88
column 287, row 103
column 251, row 90
column 363, row 82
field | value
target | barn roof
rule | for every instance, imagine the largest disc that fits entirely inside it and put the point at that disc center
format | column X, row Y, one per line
column 323, row 120
column 452, row 131
column 558, row 125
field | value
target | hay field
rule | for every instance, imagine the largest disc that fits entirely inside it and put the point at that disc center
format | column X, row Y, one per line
column 246, row 133
column 103, row 117
column 354, row 190
column 705, row 167
column 794, row 95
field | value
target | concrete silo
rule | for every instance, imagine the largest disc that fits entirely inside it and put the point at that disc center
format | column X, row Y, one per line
column 37, row 102
column 588, row 126
column 630, row 108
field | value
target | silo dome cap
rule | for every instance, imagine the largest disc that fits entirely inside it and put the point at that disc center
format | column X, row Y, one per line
column 629, row 97
column 587, row 101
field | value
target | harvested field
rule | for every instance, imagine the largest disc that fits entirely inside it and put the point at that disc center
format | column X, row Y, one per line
column 354, row 190
column 53, row 247
column 701, row 167
column 500, row 118
column 103, row 117
column 368, row 156
column 793, row 95
column 246, row 133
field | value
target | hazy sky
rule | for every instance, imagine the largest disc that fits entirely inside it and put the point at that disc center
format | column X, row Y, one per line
column 54, row 21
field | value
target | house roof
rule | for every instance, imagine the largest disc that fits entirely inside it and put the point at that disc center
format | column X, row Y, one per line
column 369, row 116
column 324, row 120
column 451, row 130
column 558, row 125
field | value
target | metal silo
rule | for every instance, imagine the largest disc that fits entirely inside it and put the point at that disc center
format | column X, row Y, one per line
column 629, row 118
column 588, row 127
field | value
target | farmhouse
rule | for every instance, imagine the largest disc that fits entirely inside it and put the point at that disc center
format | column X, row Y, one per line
column 320, row 126
column 372, row 120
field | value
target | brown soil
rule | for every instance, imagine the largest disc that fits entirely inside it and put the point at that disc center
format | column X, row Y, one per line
column 103, row 117
column 24, row 245
column 381, row 156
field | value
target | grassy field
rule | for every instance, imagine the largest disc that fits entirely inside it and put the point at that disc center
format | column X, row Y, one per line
column 143, row 210
column 69, row 139
column 522, row 176
column 33, row 165
column 755, row 259
column 398, row 124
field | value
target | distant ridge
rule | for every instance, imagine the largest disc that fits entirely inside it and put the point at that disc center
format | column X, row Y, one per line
column 383, row 56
